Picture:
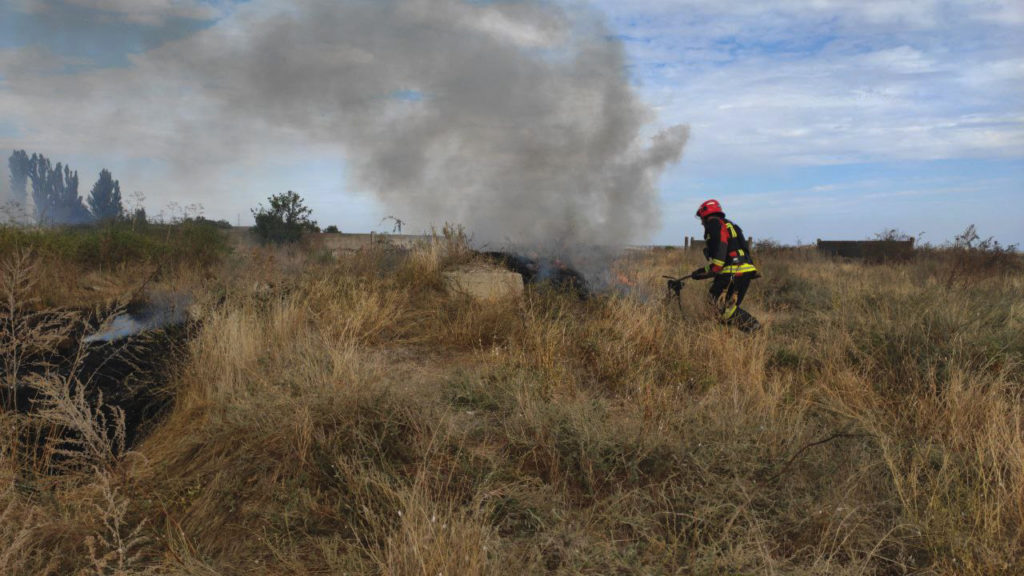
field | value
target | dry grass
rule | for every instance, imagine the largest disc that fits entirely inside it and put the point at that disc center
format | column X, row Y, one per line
column 348, row 416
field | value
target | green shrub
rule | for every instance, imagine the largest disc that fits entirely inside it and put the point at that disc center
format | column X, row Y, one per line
column 285, row 220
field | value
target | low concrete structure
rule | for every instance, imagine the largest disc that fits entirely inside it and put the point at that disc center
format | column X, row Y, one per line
column 335, row 242
column 338, row 242
column 483, row 282
column 872, row 250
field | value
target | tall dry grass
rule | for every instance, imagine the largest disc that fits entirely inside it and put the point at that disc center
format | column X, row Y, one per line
column 348, row 416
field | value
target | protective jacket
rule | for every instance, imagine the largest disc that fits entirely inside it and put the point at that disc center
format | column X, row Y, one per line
column 727, row 248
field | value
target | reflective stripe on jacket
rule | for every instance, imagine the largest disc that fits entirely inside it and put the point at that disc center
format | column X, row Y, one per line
column 726, row 247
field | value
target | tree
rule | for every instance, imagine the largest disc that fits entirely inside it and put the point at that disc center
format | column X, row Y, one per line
column 70, row 209
column 139, row 217
column 40, row 172
column 285, row 220
column 105, row 198
column 19, row 164
column 55, row 193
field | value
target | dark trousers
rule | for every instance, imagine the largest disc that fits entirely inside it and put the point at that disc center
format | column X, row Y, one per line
column 734, row 288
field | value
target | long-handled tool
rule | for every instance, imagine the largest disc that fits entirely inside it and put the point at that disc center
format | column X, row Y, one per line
column 675, row 285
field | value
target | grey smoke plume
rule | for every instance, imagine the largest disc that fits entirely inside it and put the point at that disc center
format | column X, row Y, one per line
column 513, row 118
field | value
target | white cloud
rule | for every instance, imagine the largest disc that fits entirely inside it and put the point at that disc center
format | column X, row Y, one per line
column 907, row 14
column 997, row 11
column 831, row 81
column 523, row 24
column 902, row 59
column 852, row 110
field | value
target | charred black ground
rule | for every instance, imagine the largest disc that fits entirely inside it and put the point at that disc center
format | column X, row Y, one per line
column 543, row 271
column 130, row 372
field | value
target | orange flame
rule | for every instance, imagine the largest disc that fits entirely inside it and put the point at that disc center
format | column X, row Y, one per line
column 623, row 279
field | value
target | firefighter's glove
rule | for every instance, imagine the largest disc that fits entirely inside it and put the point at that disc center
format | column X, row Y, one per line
column 701, row 273
column 675, row 285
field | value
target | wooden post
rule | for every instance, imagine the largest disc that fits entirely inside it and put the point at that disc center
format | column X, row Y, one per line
column 686, row 242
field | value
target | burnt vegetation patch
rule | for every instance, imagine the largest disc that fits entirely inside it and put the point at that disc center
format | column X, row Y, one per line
column 86, row 384
column 544, row 272
column 124, row 375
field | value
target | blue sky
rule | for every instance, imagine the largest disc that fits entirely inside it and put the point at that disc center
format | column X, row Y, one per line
column 808, row 118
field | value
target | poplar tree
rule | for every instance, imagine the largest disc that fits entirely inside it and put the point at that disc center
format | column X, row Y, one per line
column 19, row 164
column 55, row 193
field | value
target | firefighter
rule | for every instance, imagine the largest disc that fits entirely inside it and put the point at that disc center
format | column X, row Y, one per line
column 730, row 266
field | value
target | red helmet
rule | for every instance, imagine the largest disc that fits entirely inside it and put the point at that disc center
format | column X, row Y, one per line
column 708, row 208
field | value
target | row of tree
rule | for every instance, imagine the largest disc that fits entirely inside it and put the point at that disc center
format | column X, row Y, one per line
column 55, row 191
column 55, row 199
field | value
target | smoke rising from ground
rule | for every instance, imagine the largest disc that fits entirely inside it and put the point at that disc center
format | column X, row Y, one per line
column 515, row 119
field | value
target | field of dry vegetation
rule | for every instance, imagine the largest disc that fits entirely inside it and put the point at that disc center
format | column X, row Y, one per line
column 348, row 416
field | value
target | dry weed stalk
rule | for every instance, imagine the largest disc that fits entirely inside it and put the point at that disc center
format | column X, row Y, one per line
column 82, row 441
column 26, row 335
column 16, row 530
column 86, row 433
column 119, row 549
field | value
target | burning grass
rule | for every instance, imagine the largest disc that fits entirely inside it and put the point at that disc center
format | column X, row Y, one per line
column 350, row 417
